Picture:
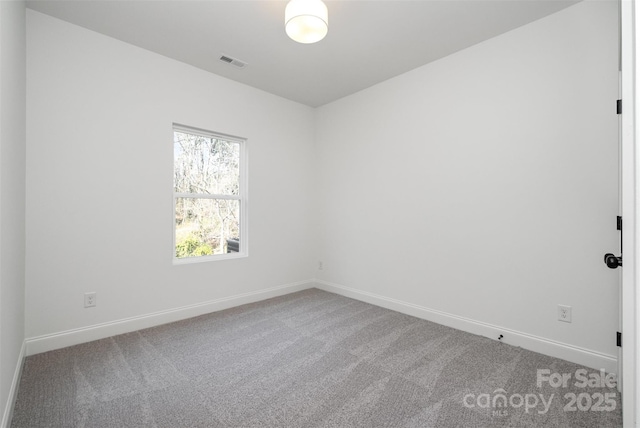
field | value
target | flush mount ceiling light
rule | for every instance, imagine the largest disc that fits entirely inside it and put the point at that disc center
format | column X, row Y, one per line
column 306, row 21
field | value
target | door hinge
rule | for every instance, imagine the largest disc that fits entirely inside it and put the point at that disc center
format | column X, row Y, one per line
column 619, row 339
column 619, row 106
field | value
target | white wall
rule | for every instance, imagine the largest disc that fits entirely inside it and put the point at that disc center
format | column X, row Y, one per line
column 484, row 186
column 12, row 197
column 99, row 182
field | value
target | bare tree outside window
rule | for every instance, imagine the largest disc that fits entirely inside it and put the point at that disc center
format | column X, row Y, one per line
column 207, row 194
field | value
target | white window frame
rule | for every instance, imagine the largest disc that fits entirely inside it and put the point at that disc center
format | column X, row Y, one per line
column 242, row 197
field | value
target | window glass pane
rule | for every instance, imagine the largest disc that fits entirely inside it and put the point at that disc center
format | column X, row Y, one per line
column 206, row 226
column 205, row 165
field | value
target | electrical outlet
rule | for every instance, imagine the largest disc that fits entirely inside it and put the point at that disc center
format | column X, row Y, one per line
column 564, row 313
column 320, row 265
column 90, row 299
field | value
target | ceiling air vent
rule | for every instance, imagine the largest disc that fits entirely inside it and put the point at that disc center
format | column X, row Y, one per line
column 233, row 61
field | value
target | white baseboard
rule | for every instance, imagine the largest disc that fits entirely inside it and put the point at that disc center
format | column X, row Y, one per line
column 49, row 342
column 586, row 357
column 13, row 391
column 575, row 354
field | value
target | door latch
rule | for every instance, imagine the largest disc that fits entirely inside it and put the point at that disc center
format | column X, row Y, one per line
column 610, row 259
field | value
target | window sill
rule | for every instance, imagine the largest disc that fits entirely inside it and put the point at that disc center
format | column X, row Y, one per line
column 214, row 258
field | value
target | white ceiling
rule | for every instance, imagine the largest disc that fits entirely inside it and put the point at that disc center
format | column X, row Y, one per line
column 368, row 41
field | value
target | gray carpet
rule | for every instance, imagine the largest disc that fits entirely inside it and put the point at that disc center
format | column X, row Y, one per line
column 308, row 359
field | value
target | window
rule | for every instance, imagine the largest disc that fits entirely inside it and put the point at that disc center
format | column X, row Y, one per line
column 209, row 195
